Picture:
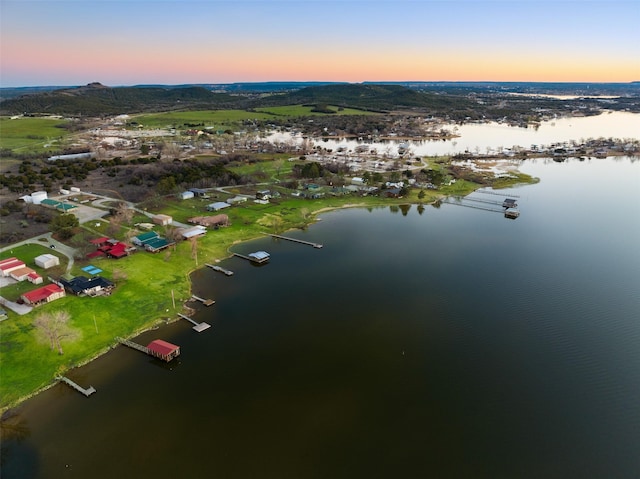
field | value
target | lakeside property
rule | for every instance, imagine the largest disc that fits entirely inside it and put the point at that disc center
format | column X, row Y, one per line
column 151, row 289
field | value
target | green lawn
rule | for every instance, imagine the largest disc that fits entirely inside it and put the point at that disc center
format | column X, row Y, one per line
column 300, row 110
column 218, row 119
column 30, row 134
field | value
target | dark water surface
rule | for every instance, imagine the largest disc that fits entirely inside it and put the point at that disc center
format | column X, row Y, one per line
column 447, row 343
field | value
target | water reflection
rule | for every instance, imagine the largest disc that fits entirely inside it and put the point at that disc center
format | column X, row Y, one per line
column 488, row 137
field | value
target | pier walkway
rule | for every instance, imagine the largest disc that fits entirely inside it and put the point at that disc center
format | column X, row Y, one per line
column 220, row 269
column 199, row 327
column 295, row 240
column 87, row 392
column 206, row 302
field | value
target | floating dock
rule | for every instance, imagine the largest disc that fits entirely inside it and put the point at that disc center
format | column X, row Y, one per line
column 206, row 302
column 220, row 269
column 258, row 257
column 295, row 240
column 511, row 213
column 198, row 327
column 87, row 392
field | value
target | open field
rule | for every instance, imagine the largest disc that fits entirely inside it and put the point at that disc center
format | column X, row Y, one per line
column 223, row 119
column 31, row 134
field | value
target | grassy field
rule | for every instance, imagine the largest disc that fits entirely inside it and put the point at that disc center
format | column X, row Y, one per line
column 223, row 119
column 30, row 135
column 300, row 110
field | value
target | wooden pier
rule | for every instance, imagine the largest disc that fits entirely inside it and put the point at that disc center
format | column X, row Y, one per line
column 295, row 240
column 198, row 327
column 206, row 302
column 87, row 392
column 220, row 269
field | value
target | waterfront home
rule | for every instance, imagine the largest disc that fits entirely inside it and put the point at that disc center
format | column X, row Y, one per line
column 83, row 286
column 42, row 295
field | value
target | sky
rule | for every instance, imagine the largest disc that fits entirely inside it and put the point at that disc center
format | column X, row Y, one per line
column 132, row 42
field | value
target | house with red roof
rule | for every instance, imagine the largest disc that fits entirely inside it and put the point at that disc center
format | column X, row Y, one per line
column 42, row 295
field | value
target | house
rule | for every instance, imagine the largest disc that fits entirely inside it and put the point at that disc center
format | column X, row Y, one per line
column 141, row 239
column 162, row 220
column 392, row 193
column 7, row 266
column 219, row 205
column 27, row 274
column 46, row 261
column 215, row 221
column 263, row 195
column 199, row 192
column 42, row 295
column 83, row 286
column 163, row 350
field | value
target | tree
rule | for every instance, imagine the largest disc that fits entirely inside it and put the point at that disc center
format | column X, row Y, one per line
column 64, row 225
column 54, row 327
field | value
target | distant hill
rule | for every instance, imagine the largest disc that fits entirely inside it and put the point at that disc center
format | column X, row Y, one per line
column 96, row 99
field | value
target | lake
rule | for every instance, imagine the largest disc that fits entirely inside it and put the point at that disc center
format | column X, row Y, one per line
column 441, row 342
column 494, row 137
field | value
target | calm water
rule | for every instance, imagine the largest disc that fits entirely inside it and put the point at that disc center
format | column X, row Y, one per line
column 483, row 137
column 443, row 343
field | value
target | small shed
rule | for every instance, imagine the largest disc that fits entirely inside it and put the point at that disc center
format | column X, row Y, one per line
column 162, row 220
column 186, row 195
column 46, row 261
column 163, row 350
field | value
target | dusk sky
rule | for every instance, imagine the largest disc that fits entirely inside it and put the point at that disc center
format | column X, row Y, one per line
column 75, row 42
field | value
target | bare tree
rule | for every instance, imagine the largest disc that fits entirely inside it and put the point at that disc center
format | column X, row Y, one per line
column 54, row 327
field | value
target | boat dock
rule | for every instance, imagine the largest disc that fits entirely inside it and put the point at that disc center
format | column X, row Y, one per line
column 258, row 257
column 198, row 327
column 295, row 240
column 220, row 269
column 158, row 348
column 87, row 392
column 206, row 302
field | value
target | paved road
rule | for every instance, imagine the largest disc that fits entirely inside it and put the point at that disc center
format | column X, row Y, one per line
column 61, row 248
